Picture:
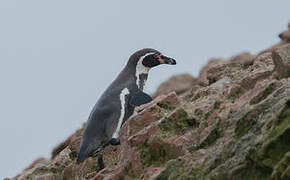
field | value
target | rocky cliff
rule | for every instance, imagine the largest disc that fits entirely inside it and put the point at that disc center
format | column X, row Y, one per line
column 232, row 122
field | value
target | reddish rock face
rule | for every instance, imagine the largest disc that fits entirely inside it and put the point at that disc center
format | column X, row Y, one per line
column 246, row 59
column 179, row 84
column 152, row 172
column 203, row 75
column 235, row 124
column 285, row 36
column 281, row 57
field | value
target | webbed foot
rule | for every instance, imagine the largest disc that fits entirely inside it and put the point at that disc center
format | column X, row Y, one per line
column 100, row 162
column 115, row 141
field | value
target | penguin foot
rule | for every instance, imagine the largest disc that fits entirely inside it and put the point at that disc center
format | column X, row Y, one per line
column 115, row 141
column 101, row 162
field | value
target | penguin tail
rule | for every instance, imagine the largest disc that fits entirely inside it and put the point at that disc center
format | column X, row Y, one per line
column 85, row 151
column 83, row 154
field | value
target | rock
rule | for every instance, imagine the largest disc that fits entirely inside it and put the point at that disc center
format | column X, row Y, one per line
column 246, row 59
column 262, row 93
column 63, row 158
column 37, row 161
column 45, row 177
column 152, row 172
column 203, row 80
column 263, row 67
column 285, row 36
column 282, row 168
column 221, row 70
column 281, row 57
column 179, row 84
column 60, row 147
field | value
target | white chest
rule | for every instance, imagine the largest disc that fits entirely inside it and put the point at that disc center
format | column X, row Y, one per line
column 122, row 114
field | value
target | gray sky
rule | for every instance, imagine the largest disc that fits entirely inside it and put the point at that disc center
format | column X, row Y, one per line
column 56, row 57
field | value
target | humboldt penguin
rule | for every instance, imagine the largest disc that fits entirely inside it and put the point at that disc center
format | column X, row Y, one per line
column 118, row 103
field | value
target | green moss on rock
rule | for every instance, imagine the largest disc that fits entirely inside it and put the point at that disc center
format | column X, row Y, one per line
column 249, row 170
column 235, row 94
column 217, row 104
column 176, row 169
column 282, row 168
column 211, row 138
column 156, row 152
column 172, row 171
column 246, row 123
column 166, row 105
column 59, row 148
column 277, row 143
column 148, row 157
column 281, row 57
column 177, row 123
column 46, row 170
column 129, row 173
column 264, row 94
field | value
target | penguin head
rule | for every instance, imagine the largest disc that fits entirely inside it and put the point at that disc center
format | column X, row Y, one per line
column 152, row 58
column 149, row 58
column 143, row 60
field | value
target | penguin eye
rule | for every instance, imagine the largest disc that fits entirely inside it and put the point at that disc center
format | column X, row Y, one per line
column 151, row 61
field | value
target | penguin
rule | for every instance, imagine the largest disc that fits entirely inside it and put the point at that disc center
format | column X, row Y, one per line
column 118, row 102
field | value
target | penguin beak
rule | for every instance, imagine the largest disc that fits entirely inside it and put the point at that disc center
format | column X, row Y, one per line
column 166, row 60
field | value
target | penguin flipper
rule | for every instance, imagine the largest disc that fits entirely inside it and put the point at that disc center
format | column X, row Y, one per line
column 139, row 97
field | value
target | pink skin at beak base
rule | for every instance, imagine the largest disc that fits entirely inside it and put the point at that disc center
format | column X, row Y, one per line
column 161, row 61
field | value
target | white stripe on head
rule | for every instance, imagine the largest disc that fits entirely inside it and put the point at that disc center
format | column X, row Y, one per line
column 122, row 114
column 141, row 69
